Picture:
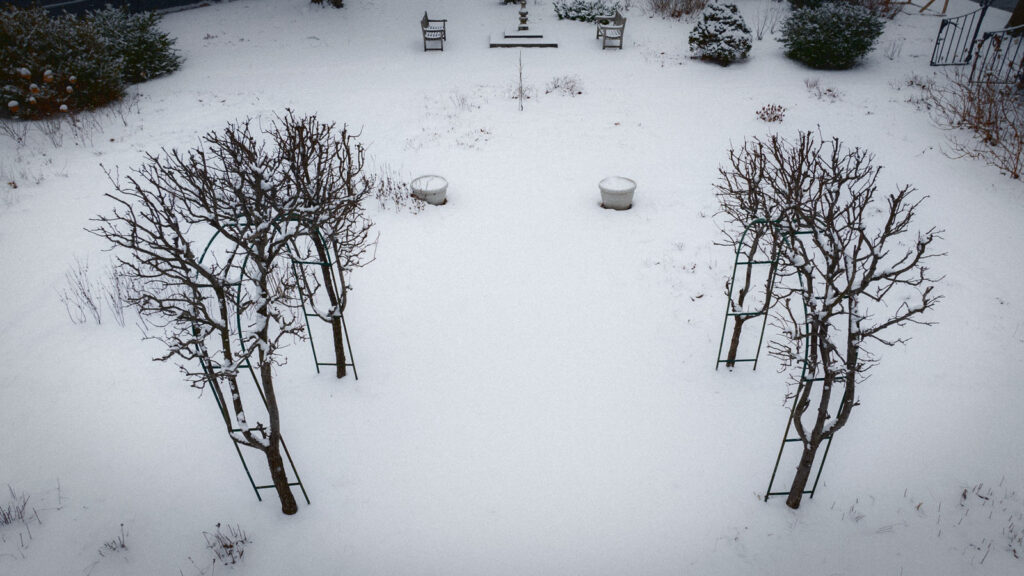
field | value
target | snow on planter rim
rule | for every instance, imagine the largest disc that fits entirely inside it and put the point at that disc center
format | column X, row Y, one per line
column 429, row 183
column 617, row 184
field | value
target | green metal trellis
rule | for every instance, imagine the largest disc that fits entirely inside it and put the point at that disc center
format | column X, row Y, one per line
column 218, row 396
column 307, row 295
column 746, row 258
column 805, row 380
column 748, row 261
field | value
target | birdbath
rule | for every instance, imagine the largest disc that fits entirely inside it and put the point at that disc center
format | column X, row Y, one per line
column 617, row 192
column 431, row 189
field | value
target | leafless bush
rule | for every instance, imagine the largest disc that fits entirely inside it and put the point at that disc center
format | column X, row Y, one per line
column 82, row 297
column 992, row 113
column 125, row 107
column 115, row 544
column 51, row 128
column 767, row 18
column 772, row 113
column 826, row 93
column 569, row 84
column 82, row 128
column 116, row 292
column 392, row 192
column 463, row 102
column 884, row 8
column 228, row 548
column 14, row 510
column 895, row 48
column 16, row 130
column 676, row 8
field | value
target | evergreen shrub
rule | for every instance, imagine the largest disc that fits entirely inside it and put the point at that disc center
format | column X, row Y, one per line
column 147, row 52
column 721, row 35
column 54, row 63
column 585, row 10
column 63, row 63
column 833, row 36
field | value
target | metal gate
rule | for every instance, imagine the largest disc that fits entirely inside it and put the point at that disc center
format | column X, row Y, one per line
column 1000, row 57
column 954, row 45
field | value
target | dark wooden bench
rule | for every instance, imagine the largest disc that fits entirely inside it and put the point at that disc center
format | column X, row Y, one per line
column 610, row 30
column 433, row 31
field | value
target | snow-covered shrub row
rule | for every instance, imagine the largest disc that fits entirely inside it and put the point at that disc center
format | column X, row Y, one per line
column 833, row 36
column 721, row 35
column 136, row 38
column 676, row 8
column 54, row 63
column 62, row 63
column 585, row 10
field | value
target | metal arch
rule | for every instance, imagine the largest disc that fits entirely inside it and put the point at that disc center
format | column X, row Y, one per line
column 222, row 404
column 306, row 295
column 804, row 381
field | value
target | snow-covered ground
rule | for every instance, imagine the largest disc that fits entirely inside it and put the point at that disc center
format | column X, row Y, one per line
column 537, row 391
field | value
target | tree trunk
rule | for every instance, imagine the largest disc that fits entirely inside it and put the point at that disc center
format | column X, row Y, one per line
column 1017, row 18
column 818, row 346
column 280, row 476
column 737, row 327
column 803, row 475
column 734, row 343
column 333, row 294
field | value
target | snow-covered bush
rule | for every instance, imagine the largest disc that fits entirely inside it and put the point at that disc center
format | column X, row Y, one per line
column 721, row 35
column 136, row 38
column 62, row 63
column 585, row 10
column 676, row 8
column 50, row 64
column 833, row 36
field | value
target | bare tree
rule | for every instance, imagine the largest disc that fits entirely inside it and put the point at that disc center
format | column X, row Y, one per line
column 322, row 168
column 857, row 269
column 229, row 187
column 750, row 213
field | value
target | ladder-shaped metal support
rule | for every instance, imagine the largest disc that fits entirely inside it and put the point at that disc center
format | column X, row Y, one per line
column 306, row 296
column 787, row 440
column 212, row 384
column 232, row 430
column 744, row 260
column 805, row 381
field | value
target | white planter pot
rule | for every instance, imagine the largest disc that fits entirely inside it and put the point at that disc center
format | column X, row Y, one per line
column 617, row 192
column 430, row 189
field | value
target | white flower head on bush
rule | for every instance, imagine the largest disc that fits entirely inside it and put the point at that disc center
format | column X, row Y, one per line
column 721, row 35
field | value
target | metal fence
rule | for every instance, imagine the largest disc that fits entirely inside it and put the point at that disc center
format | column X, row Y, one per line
column 955, row 42
column 1000, row 57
